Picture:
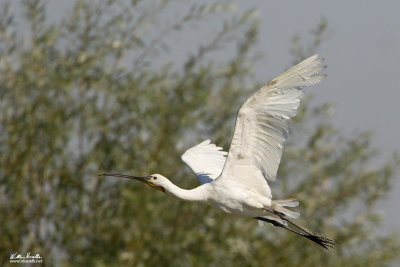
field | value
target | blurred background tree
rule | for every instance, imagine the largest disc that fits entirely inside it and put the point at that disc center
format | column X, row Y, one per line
column 90, row 93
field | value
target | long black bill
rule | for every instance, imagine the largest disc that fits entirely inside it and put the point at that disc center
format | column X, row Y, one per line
column 140, row 178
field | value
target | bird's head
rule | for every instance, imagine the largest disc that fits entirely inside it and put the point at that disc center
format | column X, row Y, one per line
column 156, row 181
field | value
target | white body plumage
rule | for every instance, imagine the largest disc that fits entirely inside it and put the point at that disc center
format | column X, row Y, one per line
column 236, row 182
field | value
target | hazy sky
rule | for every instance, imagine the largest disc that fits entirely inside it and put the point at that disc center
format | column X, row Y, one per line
column 362, row 51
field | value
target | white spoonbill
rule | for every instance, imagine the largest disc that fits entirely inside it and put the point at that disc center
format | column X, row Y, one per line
column 236, row 182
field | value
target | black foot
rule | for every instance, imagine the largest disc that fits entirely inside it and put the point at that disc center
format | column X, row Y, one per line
column 321, row 240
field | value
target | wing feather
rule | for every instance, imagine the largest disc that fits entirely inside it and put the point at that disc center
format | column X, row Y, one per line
column 206, row 160
column 263, row 121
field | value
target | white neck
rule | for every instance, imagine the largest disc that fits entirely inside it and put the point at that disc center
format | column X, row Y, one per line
column 196, row 194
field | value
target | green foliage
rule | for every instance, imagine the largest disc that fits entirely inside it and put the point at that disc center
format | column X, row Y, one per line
column 88, row 94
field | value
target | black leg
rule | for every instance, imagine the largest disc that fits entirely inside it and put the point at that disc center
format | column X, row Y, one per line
column 325, row 242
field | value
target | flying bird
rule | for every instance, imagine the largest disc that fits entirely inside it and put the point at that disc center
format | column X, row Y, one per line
column 237, row 182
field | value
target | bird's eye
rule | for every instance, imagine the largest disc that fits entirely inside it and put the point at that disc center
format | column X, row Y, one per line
column 155, row 178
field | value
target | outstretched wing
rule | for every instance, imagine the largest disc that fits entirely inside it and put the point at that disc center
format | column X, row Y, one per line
column 206, row 160
column 262, row 123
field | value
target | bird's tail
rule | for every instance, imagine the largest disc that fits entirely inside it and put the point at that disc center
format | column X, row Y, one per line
column 279, row 206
